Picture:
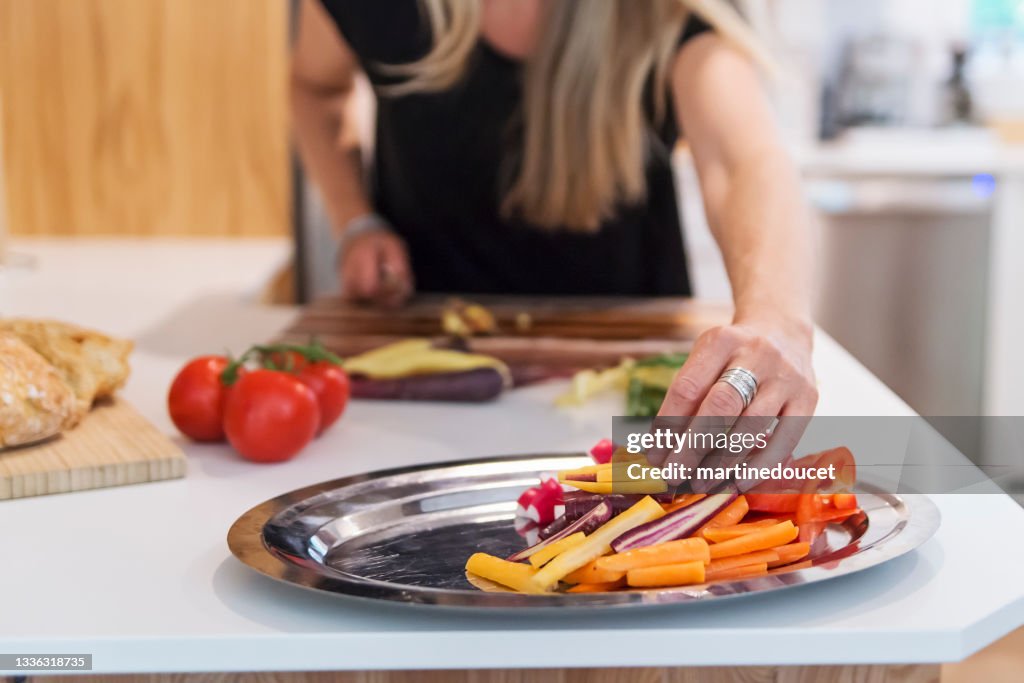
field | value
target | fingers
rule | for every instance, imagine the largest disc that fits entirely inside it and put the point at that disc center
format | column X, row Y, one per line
column 396, row 275
column 694, row 380
column 376, row 269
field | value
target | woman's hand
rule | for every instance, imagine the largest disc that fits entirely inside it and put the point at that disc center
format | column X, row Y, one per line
column 374, row 268
column 777, row 351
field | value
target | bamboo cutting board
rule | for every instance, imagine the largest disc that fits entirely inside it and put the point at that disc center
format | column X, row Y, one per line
column 552, row 335
column 113, row 446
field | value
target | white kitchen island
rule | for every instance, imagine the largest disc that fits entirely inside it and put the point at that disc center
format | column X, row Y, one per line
column 141, row 577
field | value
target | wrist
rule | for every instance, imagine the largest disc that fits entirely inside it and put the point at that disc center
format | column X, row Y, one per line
column 361, row 225
column 796, row 326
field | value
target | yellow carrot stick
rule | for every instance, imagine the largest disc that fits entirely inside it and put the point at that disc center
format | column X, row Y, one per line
column 762, row 539
column 597, row 544
column 672, row 552
column 682, row 574
column 512, row 574
column 549, row 552
column 628, row 486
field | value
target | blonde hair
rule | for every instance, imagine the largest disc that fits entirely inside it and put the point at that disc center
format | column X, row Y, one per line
column 584, row 124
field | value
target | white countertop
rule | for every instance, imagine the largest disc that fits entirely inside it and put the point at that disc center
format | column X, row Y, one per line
column 141, row 576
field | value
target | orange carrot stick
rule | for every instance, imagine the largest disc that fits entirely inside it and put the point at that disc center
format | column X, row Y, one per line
column 762, row 539
column 724, row 533
column 734, row 573
column 757, row 557
column 791, row 567
column 590, row 573
column 790, row 553
column 733, row 514
column 671, row 552
column 682, row 574
column 598, row 587
column 684, row 500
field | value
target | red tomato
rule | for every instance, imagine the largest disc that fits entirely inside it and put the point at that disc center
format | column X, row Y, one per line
column 270, row 416
column 290, row 361
column 196, row 399
column 330, row 384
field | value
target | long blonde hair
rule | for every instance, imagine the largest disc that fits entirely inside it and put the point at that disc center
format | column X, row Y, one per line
column 584, row 124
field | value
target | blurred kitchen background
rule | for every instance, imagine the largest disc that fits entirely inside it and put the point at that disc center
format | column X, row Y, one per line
column 168, row 118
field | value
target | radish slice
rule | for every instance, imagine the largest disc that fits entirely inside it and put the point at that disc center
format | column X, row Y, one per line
column 675, row 525
column 602, row 451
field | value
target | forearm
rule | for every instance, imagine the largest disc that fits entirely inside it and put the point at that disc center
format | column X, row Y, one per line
column 760, row 220
column 330, row 152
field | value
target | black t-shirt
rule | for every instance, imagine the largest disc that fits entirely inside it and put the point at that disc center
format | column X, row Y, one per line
column 437, row 177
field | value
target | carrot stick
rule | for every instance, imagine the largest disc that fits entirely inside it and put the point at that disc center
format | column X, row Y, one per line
column 757, row 557
column 591, row 573
column 790, row 553
column 733, row 514
column 683, row 501
column 762, row 539
column 548, row 553
column 681, row 574
column 598, row 587
column 724, row 533
column 734, row 573
column 671, row 552
column 511, row 574
column 628, row 486
column 791, row 567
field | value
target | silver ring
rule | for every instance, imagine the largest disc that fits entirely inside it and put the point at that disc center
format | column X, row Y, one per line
column 743, row 382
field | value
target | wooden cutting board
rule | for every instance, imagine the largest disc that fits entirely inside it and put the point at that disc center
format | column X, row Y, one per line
column 113, row 446
column 547, row 334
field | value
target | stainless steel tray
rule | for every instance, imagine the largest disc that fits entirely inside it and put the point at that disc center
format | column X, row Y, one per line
column 405, row 534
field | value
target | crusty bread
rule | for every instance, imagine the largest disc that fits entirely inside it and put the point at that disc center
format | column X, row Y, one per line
column 92, row 364
column 35, row 401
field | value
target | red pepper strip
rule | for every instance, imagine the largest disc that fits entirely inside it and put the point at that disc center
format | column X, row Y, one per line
column 844, row 501
column 773, row 502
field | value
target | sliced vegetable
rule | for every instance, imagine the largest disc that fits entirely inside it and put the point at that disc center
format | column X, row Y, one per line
column 730, row 516
column 578, row 503
column 790, row 553
column 756, row 557
column 746, row 572
column 597, row 543
column 647, row 486
column 469, row 386
column 602, row 451
column 683, row 574
column 598, row 587
column 591, row 573
column 762, row 539
column 549, row 552
column 675, row 525
column 844, row 501
column 679, row 502
column 773, row 502
column 673, row 552
column 587, row 524
column 511, row 574
column 553, row 528
column 724, row 533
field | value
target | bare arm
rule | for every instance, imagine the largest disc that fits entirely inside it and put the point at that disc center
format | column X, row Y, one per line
column 757, row 214
column 323, row 71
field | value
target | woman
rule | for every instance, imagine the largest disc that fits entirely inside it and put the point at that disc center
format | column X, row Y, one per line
column 522, row 146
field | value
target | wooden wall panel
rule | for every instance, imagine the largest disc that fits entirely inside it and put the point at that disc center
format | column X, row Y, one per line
column 145, row 117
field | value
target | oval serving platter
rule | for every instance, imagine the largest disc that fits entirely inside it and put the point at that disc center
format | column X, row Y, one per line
column 405, row 534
